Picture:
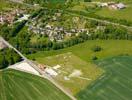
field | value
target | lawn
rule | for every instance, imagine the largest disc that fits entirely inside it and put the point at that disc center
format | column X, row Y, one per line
column 16, row 85
column 74, row 74
column 110, row 48
column 116, row 83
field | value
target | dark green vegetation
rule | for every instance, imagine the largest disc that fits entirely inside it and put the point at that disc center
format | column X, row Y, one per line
column 48, row 3
column 8, row 57
column 44, row 1
column 16, row 85
column 116, row 84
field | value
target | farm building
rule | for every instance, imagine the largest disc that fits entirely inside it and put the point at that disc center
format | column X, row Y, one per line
column 117, row 6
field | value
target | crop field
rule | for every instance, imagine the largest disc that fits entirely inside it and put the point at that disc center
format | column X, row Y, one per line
column 116, row 84
column 74, row 74
column 16, row 85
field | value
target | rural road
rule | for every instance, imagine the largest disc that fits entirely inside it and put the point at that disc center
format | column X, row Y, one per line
column 42, row 74
column 102, row 21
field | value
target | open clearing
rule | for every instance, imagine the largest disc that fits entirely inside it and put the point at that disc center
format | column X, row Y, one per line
column 116, row 83
column 74, row 74
column 16, row 85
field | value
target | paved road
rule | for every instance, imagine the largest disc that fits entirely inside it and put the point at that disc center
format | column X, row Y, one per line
column 42, row 74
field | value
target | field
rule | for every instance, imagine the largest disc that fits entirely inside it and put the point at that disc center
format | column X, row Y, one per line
column 110, row 48
column 83, row 52
column 116, row 83
column 74, row 74
column 123, row 14
column 118, row 14
column 6, row 5
column 16, row 85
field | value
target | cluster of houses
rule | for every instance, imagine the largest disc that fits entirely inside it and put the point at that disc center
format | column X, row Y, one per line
column 55, row 32
column 113, row 5
column 11, row 15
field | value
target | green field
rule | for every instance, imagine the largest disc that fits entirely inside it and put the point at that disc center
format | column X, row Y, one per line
column 110, row 48
column 16, row 85
column 105, row 12
column 116, row 83
column 74, row 74
column 6, row 5
column 117, row 14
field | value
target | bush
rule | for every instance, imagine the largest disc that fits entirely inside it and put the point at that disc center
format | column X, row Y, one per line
column 94, row 58
column 96, row 48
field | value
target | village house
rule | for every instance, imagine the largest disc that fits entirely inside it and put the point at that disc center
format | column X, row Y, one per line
column 112, row 5
column 117, row 6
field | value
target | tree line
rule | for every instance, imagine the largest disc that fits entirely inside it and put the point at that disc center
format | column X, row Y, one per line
column 8, row 57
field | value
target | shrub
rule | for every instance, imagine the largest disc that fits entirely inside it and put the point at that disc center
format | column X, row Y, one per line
column 96, row 48
column 94, row 58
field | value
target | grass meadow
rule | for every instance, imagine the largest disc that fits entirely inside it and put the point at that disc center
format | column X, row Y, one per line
column 74, row 74
column 84, row 51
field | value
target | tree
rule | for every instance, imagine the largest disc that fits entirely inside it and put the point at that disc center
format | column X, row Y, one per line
column 87, row 0
column 96, row 48
column 94, row 58
column 4, row 62
column 11, row 60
